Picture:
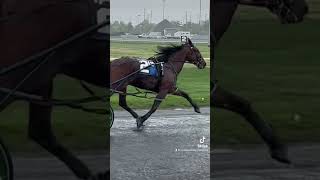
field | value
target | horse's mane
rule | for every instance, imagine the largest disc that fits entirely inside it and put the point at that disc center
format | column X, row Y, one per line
column 164, row 52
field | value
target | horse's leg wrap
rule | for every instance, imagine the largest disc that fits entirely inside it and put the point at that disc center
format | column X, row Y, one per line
column 141, row 120
column 154, row 107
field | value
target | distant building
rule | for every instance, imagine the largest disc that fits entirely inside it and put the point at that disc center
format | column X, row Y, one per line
column 169, row 32
column 160, row 27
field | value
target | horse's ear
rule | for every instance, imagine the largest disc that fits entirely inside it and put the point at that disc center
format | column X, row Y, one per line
column 190, row 42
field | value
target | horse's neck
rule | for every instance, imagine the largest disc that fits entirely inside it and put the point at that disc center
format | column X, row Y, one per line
column 178, row 60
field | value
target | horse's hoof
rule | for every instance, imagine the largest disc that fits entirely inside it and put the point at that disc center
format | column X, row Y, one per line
column 197, row 110
column 280, row 153
column 139, row 123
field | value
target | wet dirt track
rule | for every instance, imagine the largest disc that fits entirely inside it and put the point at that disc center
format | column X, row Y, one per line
column 168, row 147
column 49, row 168
column 255, row 164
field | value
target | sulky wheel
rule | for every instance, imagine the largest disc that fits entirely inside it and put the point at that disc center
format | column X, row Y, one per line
column 6, row 168
column 110, row 117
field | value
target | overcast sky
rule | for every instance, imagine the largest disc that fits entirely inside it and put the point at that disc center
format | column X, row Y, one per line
column 133, row 10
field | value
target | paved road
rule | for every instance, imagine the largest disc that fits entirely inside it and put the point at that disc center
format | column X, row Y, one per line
column 48, row 168
column 166, row 149
column 119, row 39
column 254, row 164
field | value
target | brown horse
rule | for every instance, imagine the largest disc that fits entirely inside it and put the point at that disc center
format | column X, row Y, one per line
column 28, row 27
column 288, row 11
column 129, row 71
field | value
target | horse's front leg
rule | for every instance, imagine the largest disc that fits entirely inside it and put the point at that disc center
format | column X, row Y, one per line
column 161, row 96
column 40, row 130
column 182, row 93
column 226, row 100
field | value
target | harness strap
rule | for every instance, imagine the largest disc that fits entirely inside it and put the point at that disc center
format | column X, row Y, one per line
column 25, row 78
column 136, row 94
column 73, row 103
column 160, row 73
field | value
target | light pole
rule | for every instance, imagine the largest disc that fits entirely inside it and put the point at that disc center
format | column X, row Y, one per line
column 138, row 18
column 200, row 13
column 164, row 1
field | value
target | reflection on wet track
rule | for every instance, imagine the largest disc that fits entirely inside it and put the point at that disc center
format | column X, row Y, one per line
column 174, row 144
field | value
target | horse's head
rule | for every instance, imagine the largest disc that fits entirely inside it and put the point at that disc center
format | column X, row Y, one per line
column 289, row 11
column 194, row 56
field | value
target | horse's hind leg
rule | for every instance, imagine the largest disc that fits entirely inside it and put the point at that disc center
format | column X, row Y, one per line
column 124, row 105
column 40, row 131
column 156, row 103
column 226, row 100
column 181, row 93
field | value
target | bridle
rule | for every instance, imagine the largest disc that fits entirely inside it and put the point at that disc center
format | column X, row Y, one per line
column 281, row 9
column 196, row 63
column 199, row 59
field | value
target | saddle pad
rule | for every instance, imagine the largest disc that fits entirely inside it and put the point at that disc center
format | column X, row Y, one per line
column 149, row 68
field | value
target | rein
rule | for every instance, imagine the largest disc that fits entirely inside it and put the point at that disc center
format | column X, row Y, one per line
column 47, row 54
column 26, row 78
column 72, row 103
column 187, row 62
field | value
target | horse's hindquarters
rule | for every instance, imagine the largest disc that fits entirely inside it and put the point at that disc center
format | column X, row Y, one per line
column 25, row 33
column 121, row 71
